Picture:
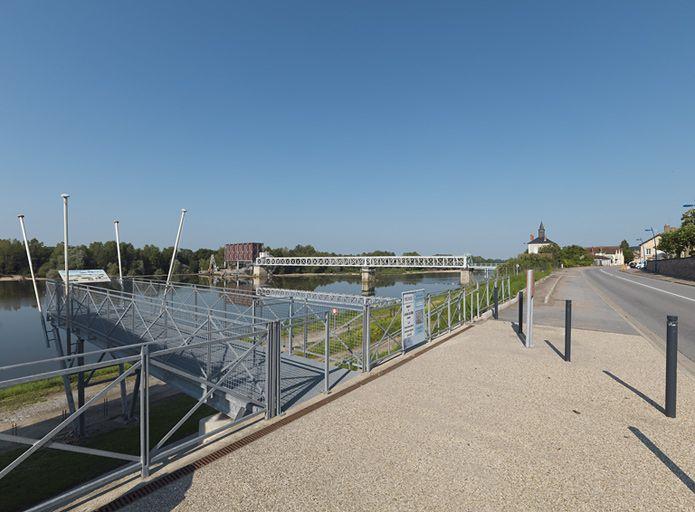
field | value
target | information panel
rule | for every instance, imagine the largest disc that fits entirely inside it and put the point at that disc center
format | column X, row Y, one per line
column 86, row 276
column 413, row 318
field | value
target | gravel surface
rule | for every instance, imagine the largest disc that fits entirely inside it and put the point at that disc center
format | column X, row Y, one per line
column 478, row 423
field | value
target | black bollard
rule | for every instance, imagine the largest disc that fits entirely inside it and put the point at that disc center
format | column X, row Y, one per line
column 495, row 299
column 521, row 312
column 568, row 330
column 671, row 364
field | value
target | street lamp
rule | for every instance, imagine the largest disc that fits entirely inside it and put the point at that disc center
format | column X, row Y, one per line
column 656, row 250
column 689, row 206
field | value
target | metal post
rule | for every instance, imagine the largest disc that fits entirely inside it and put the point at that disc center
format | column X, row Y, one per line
column 568, row 330
column 118, row 251
column 448, row 311
column 530, row 291
column 509, row 288
column 326, row 356
column 290, row 334
column 495, row 299
column 461, row 294
column 487, row 293
column 671, row 364
column 429, row 317
column 477, row 301
column 464, row 305
column 521, row 311
column 366, row 339
column 31, row 265
column 176, row 249
column 144, row 411
column 80, row 388
column 124, row 392
column 306, row 325
column 68, row 309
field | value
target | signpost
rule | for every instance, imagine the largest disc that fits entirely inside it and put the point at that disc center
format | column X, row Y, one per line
column 413, row 318
column 85, row 276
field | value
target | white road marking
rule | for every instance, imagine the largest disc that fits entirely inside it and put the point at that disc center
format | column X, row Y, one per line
column 647, row 286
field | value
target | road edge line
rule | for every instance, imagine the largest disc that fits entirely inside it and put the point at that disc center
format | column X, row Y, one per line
column 653, row 339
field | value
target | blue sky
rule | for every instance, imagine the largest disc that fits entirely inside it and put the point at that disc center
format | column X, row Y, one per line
column 429, row 126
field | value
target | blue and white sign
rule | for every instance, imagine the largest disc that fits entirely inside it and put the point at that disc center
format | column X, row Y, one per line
column 86, row 276
column 413, row 318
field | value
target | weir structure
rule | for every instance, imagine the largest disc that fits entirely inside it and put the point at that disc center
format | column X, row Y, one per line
column 247, row 354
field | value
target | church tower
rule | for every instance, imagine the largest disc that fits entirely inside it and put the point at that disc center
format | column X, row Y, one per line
column 541, row 231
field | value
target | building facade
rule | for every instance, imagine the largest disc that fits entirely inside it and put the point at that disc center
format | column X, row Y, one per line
column 607, row 255
column 538, row 242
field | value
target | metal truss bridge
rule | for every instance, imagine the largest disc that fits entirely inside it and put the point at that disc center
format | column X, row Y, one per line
column 442, row 262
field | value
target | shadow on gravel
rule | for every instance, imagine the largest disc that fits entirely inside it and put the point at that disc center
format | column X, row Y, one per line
column 520, row 335
column 555, row 349
column 636, row 391
column 672, row 466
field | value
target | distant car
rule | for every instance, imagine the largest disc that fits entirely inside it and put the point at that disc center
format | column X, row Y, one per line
column 640, row 265
column 632, row 264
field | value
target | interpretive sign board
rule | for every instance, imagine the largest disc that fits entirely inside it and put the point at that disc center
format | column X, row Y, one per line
column 413, row 318
column 86, row 276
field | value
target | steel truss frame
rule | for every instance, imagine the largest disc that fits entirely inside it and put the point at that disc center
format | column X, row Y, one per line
column 453, row 262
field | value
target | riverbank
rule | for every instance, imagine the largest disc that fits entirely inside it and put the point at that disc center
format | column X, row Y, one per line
column 16, row 278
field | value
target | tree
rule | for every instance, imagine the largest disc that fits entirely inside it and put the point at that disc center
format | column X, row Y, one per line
column 627, row 252
column 688, row 218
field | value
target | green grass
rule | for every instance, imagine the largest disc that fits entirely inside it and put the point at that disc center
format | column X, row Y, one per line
column 50, row 472
column 30, row 392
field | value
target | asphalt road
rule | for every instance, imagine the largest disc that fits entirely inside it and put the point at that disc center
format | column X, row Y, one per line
column 647, row 300
column 610, row 300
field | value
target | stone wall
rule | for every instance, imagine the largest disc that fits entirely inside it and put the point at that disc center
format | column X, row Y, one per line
column 682, row 268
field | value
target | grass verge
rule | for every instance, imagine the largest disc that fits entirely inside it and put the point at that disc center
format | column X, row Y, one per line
column 50, row 472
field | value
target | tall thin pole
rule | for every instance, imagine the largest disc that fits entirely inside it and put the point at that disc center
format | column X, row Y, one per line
column 31, row 265
column 68, row 309
column 65, row 242
column 118, row 251
column 176, row 249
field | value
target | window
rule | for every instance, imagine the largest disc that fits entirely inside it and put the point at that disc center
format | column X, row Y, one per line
column 648, row 251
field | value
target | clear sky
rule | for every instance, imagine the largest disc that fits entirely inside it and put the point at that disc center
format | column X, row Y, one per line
column 430, row 126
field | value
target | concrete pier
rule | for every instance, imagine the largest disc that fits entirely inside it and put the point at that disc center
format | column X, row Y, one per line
column 465, row 277
column 368, row 280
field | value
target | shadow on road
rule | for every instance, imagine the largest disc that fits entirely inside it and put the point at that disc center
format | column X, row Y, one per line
column 672, row 466
column 555, row 349
column 636, row 391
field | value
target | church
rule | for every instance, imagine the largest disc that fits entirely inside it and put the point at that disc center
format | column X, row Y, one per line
column 540, row 241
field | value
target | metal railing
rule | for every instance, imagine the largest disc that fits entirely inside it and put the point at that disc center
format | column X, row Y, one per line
column 241, row 353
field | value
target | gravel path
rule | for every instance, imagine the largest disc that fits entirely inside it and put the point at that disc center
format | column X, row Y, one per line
column 479, row 423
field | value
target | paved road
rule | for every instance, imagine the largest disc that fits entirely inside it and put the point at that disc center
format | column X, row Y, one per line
column 610, row 300
column 647, row 300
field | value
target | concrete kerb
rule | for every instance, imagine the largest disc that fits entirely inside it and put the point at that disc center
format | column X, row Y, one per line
column 130, row 488
column 660, row 277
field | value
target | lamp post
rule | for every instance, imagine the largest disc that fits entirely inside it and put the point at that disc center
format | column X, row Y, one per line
column 656, row 250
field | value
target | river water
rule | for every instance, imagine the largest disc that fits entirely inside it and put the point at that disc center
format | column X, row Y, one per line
column 21, row 336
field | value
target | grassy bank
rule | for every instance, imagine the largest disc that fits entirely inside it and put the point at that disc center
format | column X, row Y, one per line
column 50, row 472
column 14, row 397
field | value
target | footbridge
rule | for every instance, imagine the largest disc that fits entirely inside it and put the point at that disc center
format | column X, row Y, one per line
column 369, row 263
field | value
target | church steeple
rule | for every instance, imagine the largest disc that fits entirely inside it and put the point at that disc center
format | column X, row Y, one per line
column 541, row 231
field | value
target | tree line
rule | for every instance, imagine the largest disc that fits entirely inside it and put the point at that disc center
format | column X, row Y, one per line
column 147, row 260
column 150, row 259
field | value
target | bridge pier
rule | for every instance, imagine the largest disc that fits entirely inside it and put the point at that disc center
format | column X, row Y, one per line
column 259, row 272
column 465, row 277
column 368, row 280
